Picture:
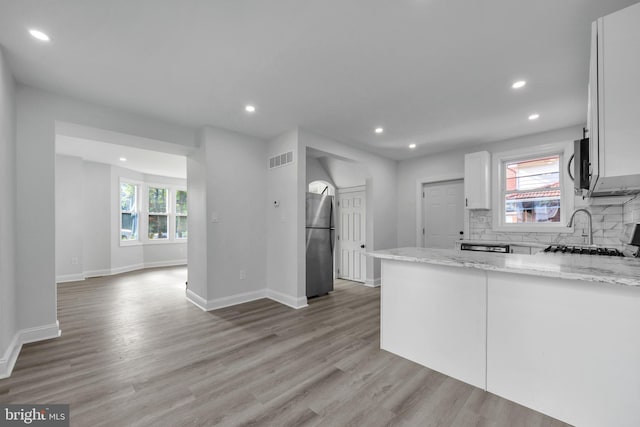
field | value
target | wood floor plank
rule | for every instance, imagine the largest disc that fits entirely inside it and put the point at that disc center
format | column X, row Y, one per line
column 134, row 352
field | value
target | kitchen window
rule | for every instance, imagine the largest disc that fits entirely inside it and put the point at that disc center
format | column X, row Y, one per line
column 533, row 194
column 129, row 211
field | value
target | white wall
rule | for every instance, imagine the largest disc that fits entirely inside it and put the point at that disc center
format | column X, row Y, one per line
column 450, row 163
column 284, row 230
column 317, row 172
column 345, row 174
column 70, row 216
column 235, row 169
column 197, row 290
column 38, row 113
column 7, row 214
column 96, row 219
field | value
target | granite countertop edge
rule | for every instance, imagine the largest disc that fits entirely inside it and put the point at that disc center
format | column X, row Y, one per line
column 609, row 270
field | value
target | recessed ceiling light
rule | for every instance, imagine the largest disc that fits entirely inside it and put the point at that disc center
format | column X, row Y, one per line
column 123, row 159
column 518, row 84
column 250, row 109
column 39, row 35
column 412, row 146
column 535, row 116
column 379, row 130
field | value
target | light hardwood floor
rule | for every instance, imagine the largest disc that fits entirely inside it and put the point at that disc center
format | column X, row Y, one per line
column 134, row 352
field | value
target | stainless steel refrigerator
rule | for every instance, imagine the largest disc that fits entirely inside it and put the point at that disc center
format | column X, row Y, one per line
column 320, row 243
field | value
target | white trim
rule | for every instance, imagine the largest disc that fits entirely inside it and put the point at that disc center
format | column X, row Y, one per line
column 25, row 336
column 97, row 273
column 196, row 300
column 354, row 189
column 566, row 193
column 419, row 211
column 70, row 278
column 125, row 269
column 287, row 300
column 170, row 263
column 375, row 283
column 214, row 304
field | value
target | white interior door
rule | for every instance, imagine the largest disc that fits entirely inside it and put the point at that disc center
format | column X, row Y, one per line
column 442, row 213
column 352, row 263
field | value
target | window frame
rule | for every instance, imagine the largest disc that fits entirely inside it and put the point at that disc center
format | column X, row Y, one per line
column 499, row 161
column 139, row 185
column 166, row 213
column 176, row 214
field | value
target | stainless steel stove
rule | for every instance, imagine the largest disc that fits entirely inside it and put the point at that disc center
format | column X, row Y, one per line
column 583, row 250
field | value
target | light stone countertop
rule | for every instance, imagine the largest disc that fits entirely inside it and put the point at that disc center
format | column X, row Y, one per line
column 590, row 268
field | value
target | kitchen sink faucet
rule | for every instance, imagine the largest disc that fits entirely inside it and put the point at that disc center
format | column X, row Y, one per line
column 589, row 225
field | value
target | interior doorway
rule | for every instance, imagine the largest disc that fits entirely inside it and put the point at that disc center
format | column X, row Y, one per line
column 351, row 239
column 442, row 213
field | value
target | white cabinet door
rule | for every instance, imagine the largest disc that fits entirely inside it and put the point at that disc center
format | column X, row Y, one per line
column 477, row 180
column 614, row 102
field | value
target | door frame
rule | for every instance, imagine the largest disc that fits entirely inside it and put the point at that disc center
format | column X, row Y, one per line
column 419, row 204
column 338, row 192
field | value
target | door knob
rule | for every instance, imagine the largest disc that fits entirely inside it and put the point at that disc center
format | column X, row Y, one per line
column 362, row 246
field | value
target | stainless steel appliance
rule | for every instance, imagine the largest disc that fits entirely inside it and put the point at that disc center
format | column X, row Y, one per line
column 320, row 243
column 503, row 249
column 583, row 250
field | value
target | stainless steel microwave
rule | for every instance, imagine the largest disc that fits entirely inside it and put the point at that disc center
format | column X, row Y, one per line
column 581, row 176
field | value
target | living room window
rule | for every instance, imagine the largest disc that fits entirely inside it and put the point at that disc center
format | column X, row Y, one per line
column 129, row 218
column 181, row 214
column 158, row 213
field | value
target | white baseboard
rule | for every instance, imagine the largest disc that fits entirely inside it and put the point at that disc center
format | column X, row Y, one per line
column 170, row 263
column 69, row 278
column 118, row 270
column 25, row 336
column 287, row 300
column 97, row 273
column 126, row 269
column 214, row 304
column 373, row 283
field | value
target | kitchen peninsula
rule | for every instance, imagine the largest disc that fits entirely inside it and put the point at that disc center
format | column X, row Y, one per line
column 556, row 333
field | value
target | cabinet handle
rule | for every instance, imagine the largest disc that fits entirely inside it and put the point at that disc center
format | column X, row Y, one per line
column 466, row 202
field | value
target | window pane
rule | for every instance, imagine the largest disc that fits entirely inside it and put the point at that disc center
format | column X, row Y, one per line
column 158, row 227
column 128, row 194
column 532, row 207
column 534, row 174
column 181, row 227
column 181, row 202
column 129, row 226
column 157, row 200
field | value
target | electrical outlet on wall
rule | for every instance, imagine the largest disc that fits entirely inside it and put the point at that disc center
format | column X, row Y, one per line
column 74, row 260
column 243, row 274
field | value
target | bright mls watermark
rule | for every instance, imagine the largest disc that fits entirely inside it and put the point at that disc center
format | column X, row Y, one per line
column 34, row 415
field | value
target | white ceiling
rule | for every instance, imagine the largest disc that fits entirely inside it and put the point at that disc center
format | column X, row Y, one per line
column 137, row 159
column 433, row 72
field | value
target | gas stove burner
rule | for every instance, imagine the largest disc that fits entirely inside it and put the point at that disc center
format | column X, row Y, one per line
column 583, row 250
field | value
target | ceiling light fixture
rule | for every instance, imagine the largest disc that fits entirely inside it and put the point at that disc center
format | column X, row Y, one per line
column 39, row 35
column 379, row 130
column 123, row 159
column 534, row 116
column 519, row 84
column 412, row 146
column 250, row 109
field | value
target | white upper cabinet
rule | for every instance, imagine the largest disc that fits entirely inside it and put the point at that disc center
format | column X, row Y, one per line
column 614, row 103
column 477, row 180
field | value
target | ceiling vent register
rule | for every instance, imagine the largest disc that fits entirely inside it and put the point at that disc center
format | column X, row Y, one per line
column 281, row 160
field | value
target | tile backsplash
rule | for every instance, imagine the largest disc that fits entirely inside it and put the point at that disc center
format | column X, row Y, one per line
column 607, row 226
